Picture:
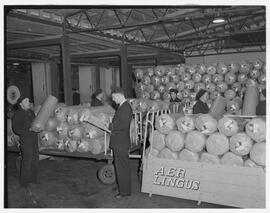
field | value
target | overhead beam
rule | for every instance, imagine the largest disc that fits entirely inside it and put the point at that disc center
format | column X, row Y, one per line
column 97, row 54
column 94, row 32
column 221, row 34
column 213, row 26
column 36, row 42
column 224, row 52
column 164, row 20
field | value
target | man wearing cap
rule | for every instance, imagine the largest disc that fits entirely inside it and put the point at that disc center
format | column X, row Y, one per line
column 261, row 107
column 97, row 98
column 21, row 123
column 201, row 106
column 120, row 142
column 173, row 93
column 175, row 105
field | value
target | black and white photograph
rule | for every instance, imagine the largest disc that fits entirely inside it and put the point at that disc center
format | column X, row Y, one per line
column 142, row 107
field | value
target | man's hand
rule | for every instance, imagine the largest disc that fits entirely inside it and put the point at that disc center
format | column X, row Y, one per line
column 110, row 126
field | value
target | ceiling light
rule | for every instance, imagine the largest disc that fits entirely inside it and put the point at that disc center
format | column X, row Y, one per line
column 15, row 64
column 218, row 20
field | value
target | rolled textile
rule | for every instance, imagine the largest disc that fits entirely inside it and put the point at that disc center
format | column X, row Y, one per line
column 167, row 153
column 250, row 101
column 232, row 159
column 209, row 158
column 46, row 110
column 218, row 107
column 187, row 155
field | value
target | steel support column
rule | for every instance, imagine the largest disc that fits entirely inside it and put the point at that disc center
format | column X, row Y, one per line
column 54, row 80
column 97, row 76
column 65, row 55
column 125, row 74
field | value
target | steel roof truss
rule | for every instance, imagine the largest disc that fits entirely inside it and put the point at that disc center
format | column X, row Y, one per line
column 117, row 16
column 144, row 36
column 89, row 19
column 129, row 14
column 100, row 18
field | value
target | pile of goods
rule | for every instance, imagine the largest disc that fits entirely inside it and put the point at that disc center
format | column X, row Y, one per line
column 67, row 130
column 202, row 138
column 145, row 105
column 228, row 80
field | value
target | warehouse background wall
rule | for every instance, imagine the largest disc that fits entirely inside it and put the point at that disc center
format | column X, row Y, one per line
column 86, row 83
column 227, row 58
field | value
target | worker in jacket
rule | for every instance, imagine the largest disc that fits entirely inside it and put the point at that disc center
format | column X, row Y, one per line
column 97, row 98
column 21, row 123
column 261, row 107
column 200, row 105
column 120, row 142
column 175, row 102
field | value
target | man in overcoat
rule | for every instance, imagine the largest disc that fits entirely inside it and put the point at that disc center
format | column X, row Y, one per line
column 120, row 142
column 21, row 124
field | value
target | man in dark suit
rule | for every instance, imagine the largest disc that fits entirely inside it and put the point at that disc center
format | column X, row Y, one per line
column 120, row 142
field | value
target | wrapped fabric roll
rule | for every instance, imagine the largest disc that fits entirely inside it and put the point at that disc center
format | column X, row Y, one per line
column 83, row 146
column 228, row 126
column 51, row 124
column 97, row 145
column 185, row 124
column 45, row 112
column 232, row 159
column 175, row 140
column 209, row 158
column 256, row 129
column 158, row 141
column 206, row 124
column 187, row 155
column 250, row 101
column 218, row 107
column 47, row 139
column 168, row 154
column 217, row 144
column 195, row 141
column 240, row 144
column 258, row 154
column 164, row 123
column 70, row 145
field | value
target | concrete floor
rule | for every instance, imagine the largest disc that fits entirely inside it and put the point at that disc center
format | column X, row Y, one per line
column 72, row 183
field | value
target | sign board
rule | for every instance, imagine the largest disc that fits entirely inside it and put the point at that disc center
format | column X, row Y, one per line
column 213, row 183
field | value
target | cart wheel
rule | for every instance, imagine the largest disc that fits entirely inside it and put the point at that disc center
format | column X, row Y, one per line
column 18, row 163
column 106, row 174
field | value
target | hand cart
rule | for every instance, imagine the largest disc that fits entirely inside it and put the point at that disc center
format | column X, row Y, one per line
column 106, row 173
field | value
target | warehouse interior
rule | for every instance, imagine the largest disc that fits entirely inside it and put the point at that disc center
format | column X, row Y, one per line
column 75, row 49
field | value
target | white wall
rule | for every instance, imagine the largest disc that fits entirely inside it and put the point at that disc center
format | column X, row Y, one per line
column 86, row 83
column 106, row 79
column 227, row 58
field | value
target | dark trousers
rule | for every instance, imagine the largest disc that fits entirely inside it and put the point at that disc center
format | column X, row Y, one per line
column 122, row 171
column 29, row 164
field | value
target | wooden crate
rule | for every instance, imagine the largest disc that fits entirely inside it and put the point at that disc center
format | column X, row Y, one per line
column 213, row 183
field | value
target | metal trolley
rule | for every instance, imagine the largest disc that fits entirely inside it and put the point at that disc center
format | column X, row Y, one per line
column 106, row 173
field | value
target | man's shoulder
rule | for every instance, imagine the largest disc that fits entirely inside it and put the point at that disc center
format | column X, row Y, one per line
column 126, row 106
